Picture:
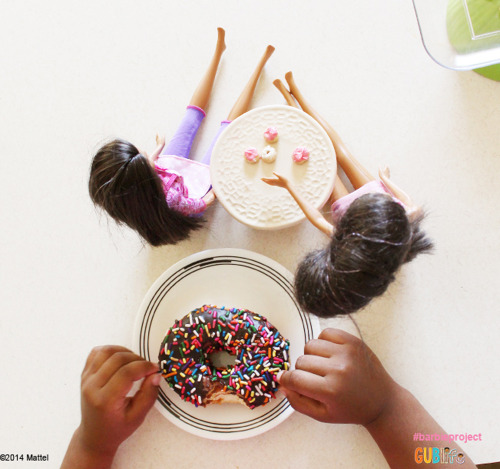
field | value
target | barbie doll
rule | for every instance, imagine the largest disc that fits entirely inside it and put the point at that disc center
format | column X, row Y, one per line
column 375, row 230
column 162, row 195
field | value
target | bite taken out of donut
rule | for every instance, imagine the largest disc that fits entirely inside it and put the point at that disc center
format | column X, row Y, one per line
column 260, row 353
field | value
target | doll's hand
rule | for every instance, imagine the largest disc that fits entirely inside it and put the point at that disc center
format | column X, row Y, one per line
column 338, row 380
column 108, row 415
column 384, row 172
column 279, row 181
column 160, row 141
column 209, row 197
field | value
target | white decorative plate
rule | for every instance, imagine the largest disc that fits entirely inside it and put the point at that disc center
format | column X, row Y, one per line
column 237, row 183
column 231, row 278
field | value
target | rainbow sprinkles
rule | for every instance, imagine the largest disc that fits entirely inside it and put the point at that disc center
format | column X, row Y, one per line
column 261, row 353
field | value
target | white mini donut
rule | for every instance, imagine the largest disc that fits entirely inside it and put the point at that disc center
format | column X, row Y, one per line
column 268, row 154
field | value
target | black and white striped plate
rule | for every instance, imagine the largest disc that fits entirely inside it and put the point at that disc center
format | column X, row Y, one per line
column 234, row 278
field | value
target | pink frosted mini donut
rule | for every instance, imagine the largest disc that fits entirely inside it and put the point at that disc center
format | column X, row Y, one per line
column 252, row 155
column 271, row 134
column 300, row 155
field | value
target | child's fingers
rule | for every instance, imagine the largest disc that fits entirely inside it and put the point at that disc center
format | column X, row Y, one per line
column 122, row 381
column 321, row 348
column 98, row 356
column 112, row 365
column 337, row 336
column 306, row 405
column 144, row 398
column 90, row 360
column 304, row 382
column 313, row 364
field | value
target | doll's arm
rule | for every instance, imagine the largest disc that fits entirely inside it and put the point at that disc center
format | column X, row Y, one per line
column 160, row 143
column 413, row 210
column 209, row 197
column 312, row 213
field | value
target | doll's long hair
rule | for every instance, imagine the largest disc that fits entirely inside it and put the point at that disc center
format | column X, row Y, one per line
column 126, row 186
column 373, row 239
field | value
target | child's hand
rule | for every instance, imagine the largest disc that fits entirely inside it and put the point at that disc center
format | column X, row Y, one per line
column 108, row 415
column 279, row 181
column 338, row 380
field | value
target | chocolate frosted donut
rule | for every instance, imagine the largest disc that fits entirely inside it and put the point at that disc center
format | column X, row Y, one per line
column 260, row 350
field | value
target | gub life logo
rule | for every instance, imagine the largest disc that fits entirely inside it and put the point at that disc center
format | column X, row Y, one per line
column 434, row 455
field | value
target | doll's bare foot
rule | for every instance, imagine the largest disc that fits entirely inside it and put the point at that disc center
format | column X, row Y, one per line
column 289, row 79
column 242, row 104
column 294, row 90
column 221, row 44
column 284, row 91
column 269, row 51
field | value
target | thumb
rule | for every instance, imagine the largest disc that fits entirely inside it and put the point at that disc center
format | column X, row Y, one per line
column 144, row 399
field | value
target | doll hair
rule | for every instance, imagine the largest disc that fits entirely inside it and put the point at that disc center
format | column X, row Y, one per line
column 124, row 183
column 373, row 239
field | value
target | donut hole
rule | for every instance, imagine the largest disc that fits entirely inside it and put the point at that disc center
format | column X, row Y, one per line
column 222, row 359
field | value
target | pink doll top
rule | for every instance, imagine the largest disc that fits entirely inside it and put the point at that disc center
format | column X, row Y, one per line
column 340, row 206
column 184, row 193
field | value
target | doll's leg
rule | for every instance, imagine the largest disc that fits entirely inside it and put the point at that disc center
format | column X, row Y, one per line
column 208, row 154
column 181, row 142
column 202, row 93
column 355, row 171
column 243, row 102
column 339, row 189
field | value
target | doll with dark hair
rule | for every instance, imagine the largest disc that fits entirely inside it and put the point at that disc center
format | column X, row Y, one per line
column 162, row 196
column 375, row 230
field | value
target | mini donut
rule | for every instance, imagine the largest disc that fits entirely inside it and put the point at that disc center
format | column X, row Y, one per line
column 268, row 154
column 260, row 350
column 252, row 155
column 271, row 134
column 300, row 155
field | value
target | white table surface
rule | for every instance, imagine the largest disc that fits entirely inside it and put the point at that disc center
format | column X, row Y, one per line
column 75, row 74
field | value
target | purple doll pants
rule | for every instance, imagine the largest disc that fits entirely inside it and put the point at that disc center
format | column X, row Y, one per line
column 181, row 142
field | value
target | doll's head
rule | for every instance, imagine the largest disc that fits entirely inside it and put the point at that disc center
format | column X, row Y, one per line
column 124, row 183
column 373, row 239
